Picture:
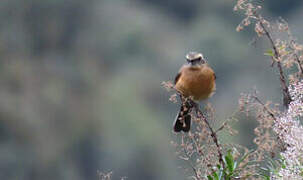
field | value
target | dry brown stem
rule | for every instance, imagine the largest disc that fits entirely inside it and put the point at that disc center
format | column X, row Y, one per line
column 213, row 133
column 286, row 95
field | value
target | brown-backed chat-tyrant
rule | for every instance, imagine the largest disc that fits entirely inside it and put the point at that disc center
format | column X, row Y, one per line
column 195, row 79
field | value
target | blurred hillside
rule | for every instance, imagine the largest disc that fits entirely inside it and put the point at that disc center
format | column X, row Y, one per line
column 80, row 81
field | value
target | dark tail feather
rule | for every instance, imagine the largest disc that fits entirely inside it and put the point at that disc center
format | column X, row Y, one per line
column 183, row 119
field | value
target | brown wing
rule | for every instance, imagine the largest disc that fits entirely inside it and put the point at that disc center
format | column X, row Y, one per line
column 177, row 77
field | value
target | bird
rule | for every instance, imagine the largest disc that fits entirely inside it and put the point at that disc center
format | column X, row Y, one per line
column 195, row 79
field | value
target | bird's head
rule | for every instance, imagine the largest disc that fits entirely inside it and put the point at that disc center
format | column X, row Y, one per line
column 195, row 59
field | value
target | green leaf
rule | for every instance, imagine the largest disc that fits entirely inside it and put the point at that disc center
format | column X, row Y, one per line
column 265, row 177
column 215, row 175
column 209, row 177
column 283, row 165
column 229, row 159
column 269, row 52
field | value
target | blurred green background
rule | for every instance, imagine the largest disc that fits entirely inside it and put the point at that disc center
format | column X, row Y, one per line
column 80, row 81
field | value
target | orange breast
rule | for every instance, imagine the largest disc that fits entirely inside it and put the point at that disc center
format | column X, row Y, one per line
column 198, row 82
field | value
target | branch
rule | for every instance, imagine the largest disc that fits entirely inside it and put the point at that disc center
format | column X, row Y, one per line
column 201, row 116
column 286, row 95
column 213, row 133
column 283, row 144
column 299, row 63
column 265, row 107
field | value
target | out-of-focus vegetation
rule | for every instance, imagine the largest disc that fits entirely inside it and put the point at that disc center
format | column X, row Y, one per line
column 80, row 81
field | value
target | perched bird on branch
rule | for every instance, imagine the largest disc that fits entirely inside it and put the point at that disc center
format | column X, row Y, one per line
column 197, row 80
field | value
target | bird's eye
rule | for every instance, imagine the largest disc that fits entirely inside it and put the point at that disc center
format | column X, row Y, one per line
column 202, row 61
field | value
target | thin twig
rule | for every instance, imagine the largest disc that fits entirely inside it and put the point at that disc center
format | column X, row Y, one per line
column 213, row 133
column 190, row 164
column 299, row 63
column 221, row 127
column 265, row 107
column 232, row 117
column 286, row 95
column 283, row 144
column 198, row 149
column 292, row 43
